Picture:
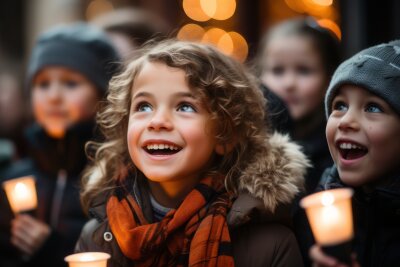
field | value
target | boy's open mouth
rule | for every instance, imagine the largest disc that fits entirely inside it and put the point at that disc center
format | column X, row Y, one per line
column 350, row 150
column 162, row 149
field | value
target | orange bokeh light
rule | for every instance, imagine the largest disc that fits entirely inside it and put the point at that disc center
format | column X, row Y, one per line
column 332, row 26
column 213, row 35
column 191, row 32
column 98, row 7
column 297, row 6
column 240, row 47
column 194, row 10
column 225, row 44
column 219, row 9
column 323, row 2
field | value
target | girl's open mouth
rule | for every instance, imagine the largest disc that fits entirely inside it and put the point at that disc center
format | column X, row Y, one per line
column 350, row 150
column 162, row 149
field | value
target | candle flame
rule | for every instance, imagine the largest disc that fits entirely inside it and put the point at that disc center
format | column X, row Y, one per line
column 87, row 257
column 21, row 190
column 327, row 199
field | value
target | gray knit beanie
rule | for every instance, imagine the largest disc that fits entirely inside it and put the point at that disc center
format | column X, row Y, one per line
column 376, row 69
column 78, row 46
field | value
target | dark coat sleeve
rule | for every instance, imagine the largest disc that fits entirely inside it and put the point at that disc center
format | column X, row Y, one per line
column 92, row 239
column 85, row 242
column 265, row 244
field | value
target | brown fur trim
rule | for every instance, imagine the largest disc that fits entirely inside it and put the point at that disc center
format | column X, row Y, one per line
column 277, row 172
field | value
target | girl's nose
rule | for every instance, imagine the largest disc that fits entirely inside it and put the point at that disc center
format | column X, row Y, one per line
column 349, row 121
column 289, row 80
column 160, row 121
column 54, row 91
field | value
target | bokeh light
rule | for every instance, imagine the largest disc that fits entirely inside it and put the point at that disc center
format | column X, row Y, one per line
column 97, row 7
column 323, row 2
column 231, row 43
column 225, row 44
column 218, row 9
column 296, row 5
column 191, row 32
column 332, row 26
column 194, row 10
column 213, row 35
column 239, row 48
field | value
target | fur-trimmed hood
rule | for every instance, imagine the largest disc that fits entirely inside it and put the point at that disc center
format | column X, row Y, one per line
column 271, row 180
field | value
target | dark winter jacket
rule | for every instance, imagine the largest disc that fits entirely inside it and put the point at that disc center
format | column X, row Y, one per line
column 259, row 230
column 6, row 155
column 278, row 116
column 376, row 221
column 56, row 166
column 317, row 150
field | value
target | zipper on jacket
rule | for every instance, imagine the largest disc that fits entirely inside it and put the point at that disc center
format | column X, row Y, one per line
column 57, row 198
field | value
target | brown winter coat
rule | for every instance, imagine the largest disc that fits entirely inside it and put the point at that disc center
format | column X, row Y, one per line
column 260, row 230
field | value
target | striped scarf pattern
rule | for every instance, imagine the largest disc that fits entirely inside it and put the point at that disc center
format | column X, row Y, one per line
column 195, row 234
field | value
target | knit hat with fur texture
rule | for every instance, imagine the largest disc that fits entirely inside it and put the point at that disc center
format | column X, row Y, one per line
column 376, row 69
column 78, row 46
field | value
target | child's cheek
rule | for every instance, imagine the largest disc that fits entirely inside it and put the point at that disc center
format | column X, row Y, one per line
column 81, row 110
column 330, row 137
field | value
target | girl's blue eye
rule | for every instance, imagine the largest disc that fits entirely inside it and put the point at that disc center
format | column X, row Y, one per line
column 43, row 84
column 185, row 107
column 278, row 70
column 340, row 106
column 71, row 84
column 304, row 70
column 373, row 108
column 144, row 107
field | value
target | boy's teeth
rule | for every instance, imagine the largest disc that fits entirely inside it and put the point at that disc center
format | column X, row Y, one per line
column 349, row 146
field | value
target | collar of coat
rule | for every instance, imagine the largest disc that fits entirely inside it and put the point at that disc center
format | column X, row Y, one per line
column 68, row 153
column 267, row 184
column 390, row 190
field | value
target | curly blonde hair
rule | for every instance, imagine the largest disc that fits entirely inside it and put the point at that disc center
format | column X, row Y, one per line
column 230, row 93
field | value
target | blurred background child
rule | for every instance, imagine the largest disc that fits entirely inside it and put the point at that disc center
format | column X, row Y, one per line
column 363, row 129
column 296, row 61
column 129, row 28
column 68, row 75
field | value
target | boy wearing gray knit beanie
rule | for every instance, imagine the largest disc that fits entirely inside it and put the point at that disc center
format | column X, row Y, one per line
column 76, row 61
column 68, row 75
column 363, row 133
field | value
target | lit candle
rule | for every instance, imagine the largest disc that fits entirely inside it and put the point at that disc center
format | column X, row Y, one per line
column 88, row 259
column 330, row 215
column 21, row 193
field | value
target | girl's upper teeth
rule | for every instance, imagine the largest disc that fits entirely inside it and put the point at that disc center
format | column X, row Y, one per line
column 162, row 146
column 349, row 146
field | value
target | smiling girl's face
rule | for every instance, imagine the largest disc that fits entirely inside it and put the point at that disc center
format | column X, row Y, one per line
column 169, row 135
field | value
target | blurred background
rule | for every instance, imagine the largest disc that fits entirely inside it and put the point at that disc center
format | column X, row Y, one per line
column 233, row 25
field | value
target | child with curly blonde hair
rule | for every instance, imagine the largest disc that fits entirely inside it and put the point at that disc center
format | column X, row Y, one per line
column 185, row 135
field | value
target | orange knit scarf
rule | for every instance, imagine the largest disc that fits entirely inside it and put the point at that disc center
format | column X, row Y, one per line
column 194, row 234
